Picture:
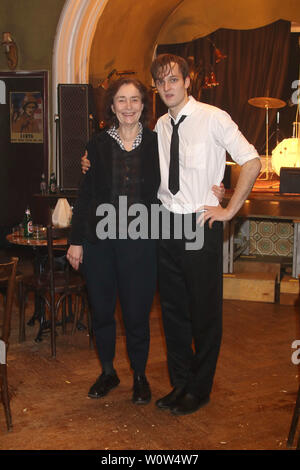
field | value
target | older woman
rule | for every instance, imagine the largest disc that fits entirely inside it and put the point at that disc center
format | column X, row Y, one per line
column 124, row 162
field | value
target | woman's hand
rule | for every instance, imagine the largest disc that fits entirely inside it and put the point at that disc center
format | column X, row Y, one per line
column 75, row 255
column 85, row 163
column 219, row 191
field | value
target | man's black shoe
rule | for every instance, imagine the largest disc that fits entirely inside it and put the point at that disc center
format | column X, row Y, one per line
column 103, row 385
column 141, row 390
column 187, row 404
column 169, row 400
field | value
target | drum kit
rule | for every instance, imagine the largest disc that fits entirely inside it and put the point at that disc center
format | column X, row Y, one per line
column 287, row 152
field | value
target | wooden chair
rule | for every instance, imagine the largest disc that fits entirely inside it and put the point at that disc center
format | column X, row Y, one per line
column 58, row 286
column 7, row 273
column 18, row 295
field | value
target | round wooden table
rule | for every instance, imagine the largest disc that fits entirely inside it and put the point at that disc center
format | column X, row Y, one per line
column 37, row 245
column 24, row 241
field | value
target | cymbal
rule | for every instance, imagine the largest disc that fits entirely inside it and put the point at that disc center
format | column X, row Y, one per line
column 266, row 102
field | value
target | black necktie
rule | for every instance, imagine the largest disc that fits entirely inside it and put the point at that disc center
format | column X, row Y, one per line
column 174, row 158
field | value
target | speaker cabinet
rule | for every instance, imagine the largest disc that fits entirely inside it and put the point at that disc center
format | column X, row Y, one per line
column 74, row 131
column 289, row 180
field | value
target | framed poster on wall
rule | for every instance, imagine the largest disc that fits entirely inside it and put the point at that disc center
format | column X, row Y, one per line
column 26, row 117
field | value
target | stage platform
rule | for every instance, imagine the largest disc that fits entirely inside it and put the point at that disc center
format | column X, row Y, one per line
column 268, row 222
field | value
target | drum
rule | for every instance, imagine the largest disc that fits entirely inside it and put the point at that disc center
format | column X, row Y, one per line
column 286, row 154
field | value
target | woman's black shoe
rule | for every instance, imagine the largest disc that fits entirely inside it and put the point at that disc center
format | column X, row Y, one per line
column 103, row 385
column 141, row 390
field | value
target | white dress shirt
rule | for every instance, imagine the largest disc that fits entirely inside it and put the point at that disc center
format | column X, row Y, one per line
column 204, row 137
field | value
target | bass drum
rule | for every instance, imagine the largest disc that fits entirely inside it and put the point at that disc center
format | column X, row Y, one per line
column 286, row 154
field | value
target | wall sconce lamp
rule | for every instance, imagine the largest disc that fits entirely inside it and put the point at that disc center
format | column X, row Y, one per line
column 11, row 50
column 219, row 56
column 210, row 80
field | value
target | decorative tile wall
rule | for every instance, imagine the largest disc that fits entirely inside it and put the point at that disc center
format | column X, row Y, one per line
column 271, row 238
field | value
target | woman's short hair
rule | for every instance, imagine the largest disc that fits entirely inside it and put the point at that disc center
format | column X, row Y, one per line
column 109, row 116
column 161, row 66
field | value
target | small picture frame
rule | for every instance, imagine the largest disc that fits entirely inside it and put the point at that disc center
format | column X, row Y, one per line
column 26, row 117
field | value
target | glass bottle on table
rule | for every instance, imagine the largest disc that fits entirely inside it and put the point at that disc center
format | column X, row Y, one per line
column 52, row 183
column 27, row 223
column 43, row 184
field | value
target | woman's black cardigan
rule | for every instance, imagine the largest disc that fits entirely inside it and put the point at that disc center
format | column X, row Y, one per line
column 96, row 185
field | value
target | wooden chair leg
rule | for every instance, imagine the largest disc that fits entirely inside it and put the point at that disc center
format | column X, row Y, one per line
column 53, row 324
column 63, row 315
column 70, row 307
column 22, row 334
column 5, row 396
column 79, row 314
column 89, row 320
column 76, row 313
column 89, row 316
column 294, row 422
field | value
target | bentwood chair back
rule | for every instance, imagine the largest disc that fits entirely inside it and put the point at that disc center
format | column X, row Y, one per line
column 58, row 286
column 67, row 284
column 53, row 233
column 8, row 270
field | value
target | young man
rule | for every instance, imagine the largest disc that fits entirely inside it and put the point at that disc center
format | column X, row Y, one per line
column 190, row 281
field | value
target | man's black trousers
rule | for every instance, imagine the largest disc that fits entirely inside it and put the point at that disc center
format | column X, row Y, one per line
column 190, row 286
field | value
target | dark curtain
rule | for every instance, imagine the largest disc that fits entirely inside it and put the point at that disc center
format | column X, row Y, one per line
column 256, row 66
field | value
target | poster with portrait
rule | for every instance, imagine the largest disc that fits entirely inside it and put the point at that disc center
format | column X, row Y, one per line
column 26, row 117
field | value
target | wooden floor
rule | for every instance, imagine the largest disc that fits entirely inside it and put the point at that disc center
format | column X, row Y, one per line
column 250, row 409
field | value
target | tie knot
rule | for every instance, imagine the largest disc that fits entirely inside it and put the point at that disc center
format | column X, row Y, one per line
column 179, row 122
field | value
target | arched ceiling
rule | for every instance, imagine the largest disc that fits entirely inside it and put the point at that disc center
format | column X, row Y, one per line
column 126, row 34
column 128, row 30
